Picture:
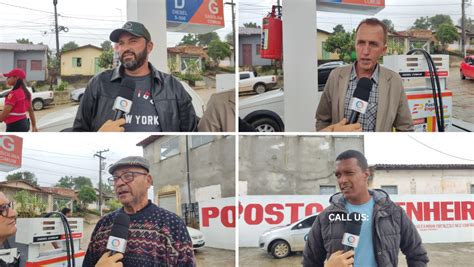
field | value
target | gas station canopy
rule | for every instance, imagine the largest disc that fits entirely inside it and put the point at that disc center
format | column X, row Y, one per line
column 364, row 7
column 197, row 16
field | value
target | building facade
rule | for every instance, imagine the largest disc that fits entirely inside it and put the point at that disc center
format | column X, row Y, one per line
column 291, row 165
column 423, row 179
column 82, row 61
column 31, row 58
column 189, row 169
column 249, row 48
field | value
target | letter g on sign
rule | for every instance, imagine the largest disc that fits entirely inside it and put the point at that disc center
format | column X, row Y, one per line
column 213, row 7
column 6, row 143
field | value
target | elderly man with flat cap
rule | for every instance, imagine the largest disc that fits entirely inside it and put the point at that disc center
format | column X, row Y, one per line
column 156, row 237
column 159, row 104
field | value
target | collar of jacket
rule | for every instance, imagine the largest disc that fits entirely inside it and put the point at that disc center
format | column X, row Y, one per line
column 381, row 199
column 118, row 73
column 383, row 88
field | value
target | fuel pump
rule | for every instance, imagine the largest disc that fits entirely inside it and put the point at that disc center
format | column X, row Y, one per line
column 35, row 235
column 430, row 102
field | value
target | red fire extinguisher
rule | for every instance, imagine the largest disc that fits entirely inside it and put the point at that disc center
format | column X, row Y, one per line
column 271, row 46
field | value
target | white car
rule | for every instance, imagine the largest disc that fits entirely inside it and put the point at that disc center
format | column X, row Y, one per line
column 264, row 112
column 63, row 120
column 38, row 99
column 281, row 241
column 197, row 237
column 259, row 84
column 76, row 95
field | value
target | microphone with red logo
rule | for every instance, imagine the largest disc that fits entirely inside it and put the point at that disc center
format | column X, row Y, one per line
column 117, row 242
column 123, row 102
column 350, row 239
column 360, row 99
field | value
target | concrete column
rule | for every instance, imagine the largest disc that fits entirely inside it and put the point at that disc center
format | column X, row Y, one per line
column 300, row 65
column 152, row 14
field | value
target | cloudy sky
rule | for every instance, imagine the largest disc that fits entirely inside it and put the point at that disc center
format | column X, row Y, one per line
column 89, row 21
column 53, row 155
column 402, row 12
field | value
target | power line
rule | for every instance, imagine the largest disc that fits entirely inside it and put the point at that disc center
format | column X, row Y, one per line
column 55, row 163
column 57, row 153
column 35, row 169
column 439, row 151
column 22, row 7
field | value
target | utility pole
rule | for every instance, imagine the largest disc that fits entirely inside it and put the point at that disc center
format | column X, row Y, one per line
column 99, row 155
column 463, row 28
column 187, row 170
column 56, row 30
column 232, row 5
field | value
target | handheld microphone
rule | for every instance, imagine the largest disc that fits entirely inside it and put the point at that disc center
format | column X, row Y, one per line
column 350, row 239
column 119, row 234
column 360, row 99
column 123, row 102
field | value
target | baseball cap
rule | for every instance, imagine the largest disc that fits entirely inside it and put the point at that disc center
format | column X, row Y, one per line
column 132, row 27
column 131, row 161
column 16, row 73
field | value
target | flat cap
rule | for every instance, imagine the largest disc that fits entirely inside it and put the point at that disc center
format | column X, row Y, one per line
column 132, row 161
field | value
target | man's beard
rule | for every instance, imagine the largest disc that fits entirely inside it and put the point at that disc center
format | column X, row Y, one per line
column 134, row 63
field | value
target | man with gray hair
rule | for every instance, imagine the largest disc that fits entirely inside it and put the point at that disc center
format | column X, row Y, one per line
column 385, row 230
column 387, row 107
column 156, row 237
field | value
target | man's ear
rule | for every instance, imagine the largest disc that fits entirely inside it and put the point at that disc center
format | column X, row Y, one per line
column 149, row 46
column 149, row 180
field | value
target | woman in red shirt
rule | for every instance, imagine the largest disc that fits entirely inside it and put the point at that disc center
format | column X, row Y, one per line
column 18, row 104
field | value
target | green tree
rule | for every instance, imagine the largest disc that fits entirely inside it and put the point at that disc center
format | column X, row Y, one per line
column 65, row 182
column 446, row 34
column 69, row 46
column 251, row 25
column 389, row 24
column 82, row 181
column 468, row 24
column 218, row 51
column 113, row 204
column 106, row 45
column 28, row 205
column 437, row 20
column 106, row 188
column 189, row 39
column 86, row 196
column 207, row 38
column 342, row 43
column 338, row 28
column 422, row 23
column 229, row 38
column 23, row 176
column 24, row 41
column 106, row 59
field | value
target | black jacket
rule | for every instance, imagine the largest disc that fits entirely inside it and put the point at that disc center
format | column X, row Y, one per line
column 173, row 104
column 392, row 231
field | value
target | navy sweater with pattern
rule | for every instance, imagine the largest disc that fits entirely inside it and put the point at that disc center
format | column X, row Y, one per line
column 156, row 237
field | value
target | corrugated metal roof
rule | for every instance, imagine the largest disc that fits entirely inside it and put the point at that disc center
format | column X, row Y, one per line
column 82, row 47
column 249, row 31
column 22, row 47
column 423, row 166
